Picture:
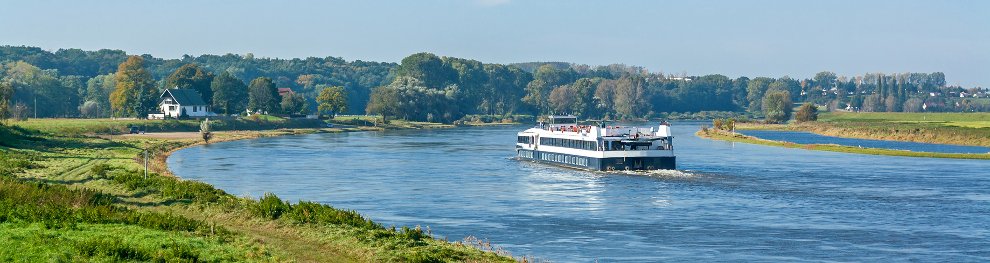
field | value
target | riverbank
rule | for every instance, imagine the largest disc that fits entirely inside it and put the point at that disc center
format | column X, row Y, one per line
column 125, row 217
column 736, row 137
column 971, row 129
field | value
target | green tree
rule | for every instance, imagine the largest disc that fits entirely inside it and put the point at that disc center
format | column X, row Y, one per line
column 191, row 76
column 294, row 103
column 6, row 93
column 384, row 101
column 777, row 106
column 229, row 93
column 807, row 112
column 755, row 89
column 263, row 96
column 98, row 90
column 428, row 68
column 135, row 93
column 332, row 100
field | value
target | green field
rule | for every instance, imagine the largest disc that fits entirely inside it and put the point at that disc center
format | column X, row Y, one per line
column 736, row 137
column 69, row 197
column 967, row 120
column 942, row 128
column 72, row 127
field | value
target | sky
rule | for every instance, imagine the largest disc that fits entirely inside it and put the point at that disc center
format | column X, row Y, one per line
column 732, row 38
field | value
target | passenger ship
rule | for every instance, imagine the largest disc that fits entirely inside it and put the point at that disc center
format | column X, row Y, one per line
column 560, row 140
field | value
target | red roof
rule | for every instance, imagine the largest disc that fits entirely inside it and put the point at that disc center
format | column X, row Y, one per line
column 283, row 91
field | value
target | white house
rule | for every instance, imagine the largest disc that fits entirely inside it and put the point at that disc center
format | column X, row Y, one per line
column 181, row 103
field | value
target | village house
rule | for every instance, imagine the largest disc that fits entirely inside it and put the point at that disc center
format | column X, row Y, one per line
column 181, row 103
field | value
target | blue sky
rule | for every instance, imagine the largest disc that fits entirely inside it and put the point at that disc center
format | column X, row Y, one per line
column 734, row 38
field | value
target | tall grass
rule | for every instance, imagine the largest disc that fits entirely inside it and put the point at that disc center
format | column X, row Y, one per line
column 57, row 206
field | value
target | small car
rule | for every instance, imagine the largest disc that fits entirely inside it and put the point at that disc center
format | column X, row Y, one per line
column 134, row 130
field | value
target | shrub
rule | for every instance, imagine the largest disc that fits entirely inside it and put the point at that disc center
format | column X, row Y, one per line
column 270, row 206
column 309, row 212
column 807, row 112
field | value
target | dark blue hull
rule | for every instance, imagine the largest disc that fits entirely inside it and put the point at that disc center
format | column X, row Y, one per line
column 599, row 164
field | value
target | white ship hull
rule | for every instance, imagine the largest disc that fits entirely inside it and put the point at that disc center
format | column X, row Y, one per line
column 598, row 148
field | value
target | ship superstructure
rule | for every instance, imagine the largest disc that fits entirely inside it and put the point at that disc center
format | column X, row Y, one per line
column 561, row 140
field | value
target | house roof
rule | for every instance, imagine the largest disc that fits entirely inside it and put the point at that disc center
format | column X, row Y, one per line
column 283, row 91
column 184, row 96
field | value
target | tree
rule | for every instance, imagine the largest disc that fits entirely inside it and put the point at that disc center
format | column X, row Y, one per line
column 294, row 103
column 428, row 68
column 6, row 92
column 384, row 101
column 98, row 90
column 807, row 112
column 332, row 100
column 755, row 89
column 262, row 95
column 89, row 109
column 561, row 99
column 135, row 92
column 191, row 76
column 777, row 106
column 229, row 93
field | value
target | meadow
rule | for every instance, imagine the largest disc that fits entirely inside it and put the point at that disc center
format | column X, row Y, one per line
column 943, row 128
column 736, row 137
column 69, row 194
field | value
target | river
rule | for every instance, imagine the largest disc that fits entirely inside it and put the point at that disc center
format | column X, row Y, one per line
column 730, row 201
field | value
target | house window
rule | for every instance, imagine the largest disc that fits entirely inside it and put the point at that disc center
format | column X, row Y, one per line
column 171, row 108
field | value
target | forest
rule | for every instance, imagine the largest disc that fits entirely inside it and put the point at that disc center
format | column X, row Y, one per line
column 426, row 87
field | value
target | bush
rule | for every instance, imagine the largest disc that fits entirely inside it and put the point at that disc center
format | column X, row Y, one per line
column 807, row 112
column 309, row 212
column 167, row 187
column 270, row 206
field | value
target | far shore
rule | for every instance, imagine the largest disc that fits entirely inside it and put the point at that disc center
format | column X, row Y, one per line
column 736, row 137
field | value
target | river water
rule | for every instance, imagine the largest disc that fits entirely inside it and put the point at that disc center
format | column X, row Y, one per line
column 730, row 201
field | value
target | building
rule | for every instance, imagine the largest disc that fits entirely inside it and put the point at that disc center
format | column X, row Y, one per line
column 181, row 103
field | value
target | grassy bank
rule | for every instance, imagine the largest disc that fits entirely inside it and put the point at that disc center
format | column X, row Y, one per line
column 943, row 128
column 68, row 195
column 736, row 137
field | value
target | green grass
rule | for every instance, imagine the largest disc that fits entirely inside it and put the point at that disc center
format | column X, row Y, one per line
column 77, row 127
column 942, row 128
column 86, row 196
column 118, row 242
column 938, row 117
column 735, row 137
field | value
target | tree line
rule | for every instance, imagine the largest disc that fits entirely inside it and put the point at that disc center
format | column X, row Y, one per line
column 427, row 87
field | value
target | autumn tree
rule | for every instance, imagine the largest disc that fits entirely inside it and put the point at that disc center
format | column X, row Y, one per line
column 135, row 93
column 229, row 93
column 191, row 76
column 263, row 96
column 332, row 100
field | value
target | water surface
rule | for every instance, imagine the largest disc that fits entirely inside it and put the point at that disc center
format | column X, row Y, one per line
column 801, row 137
column 732, row 202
